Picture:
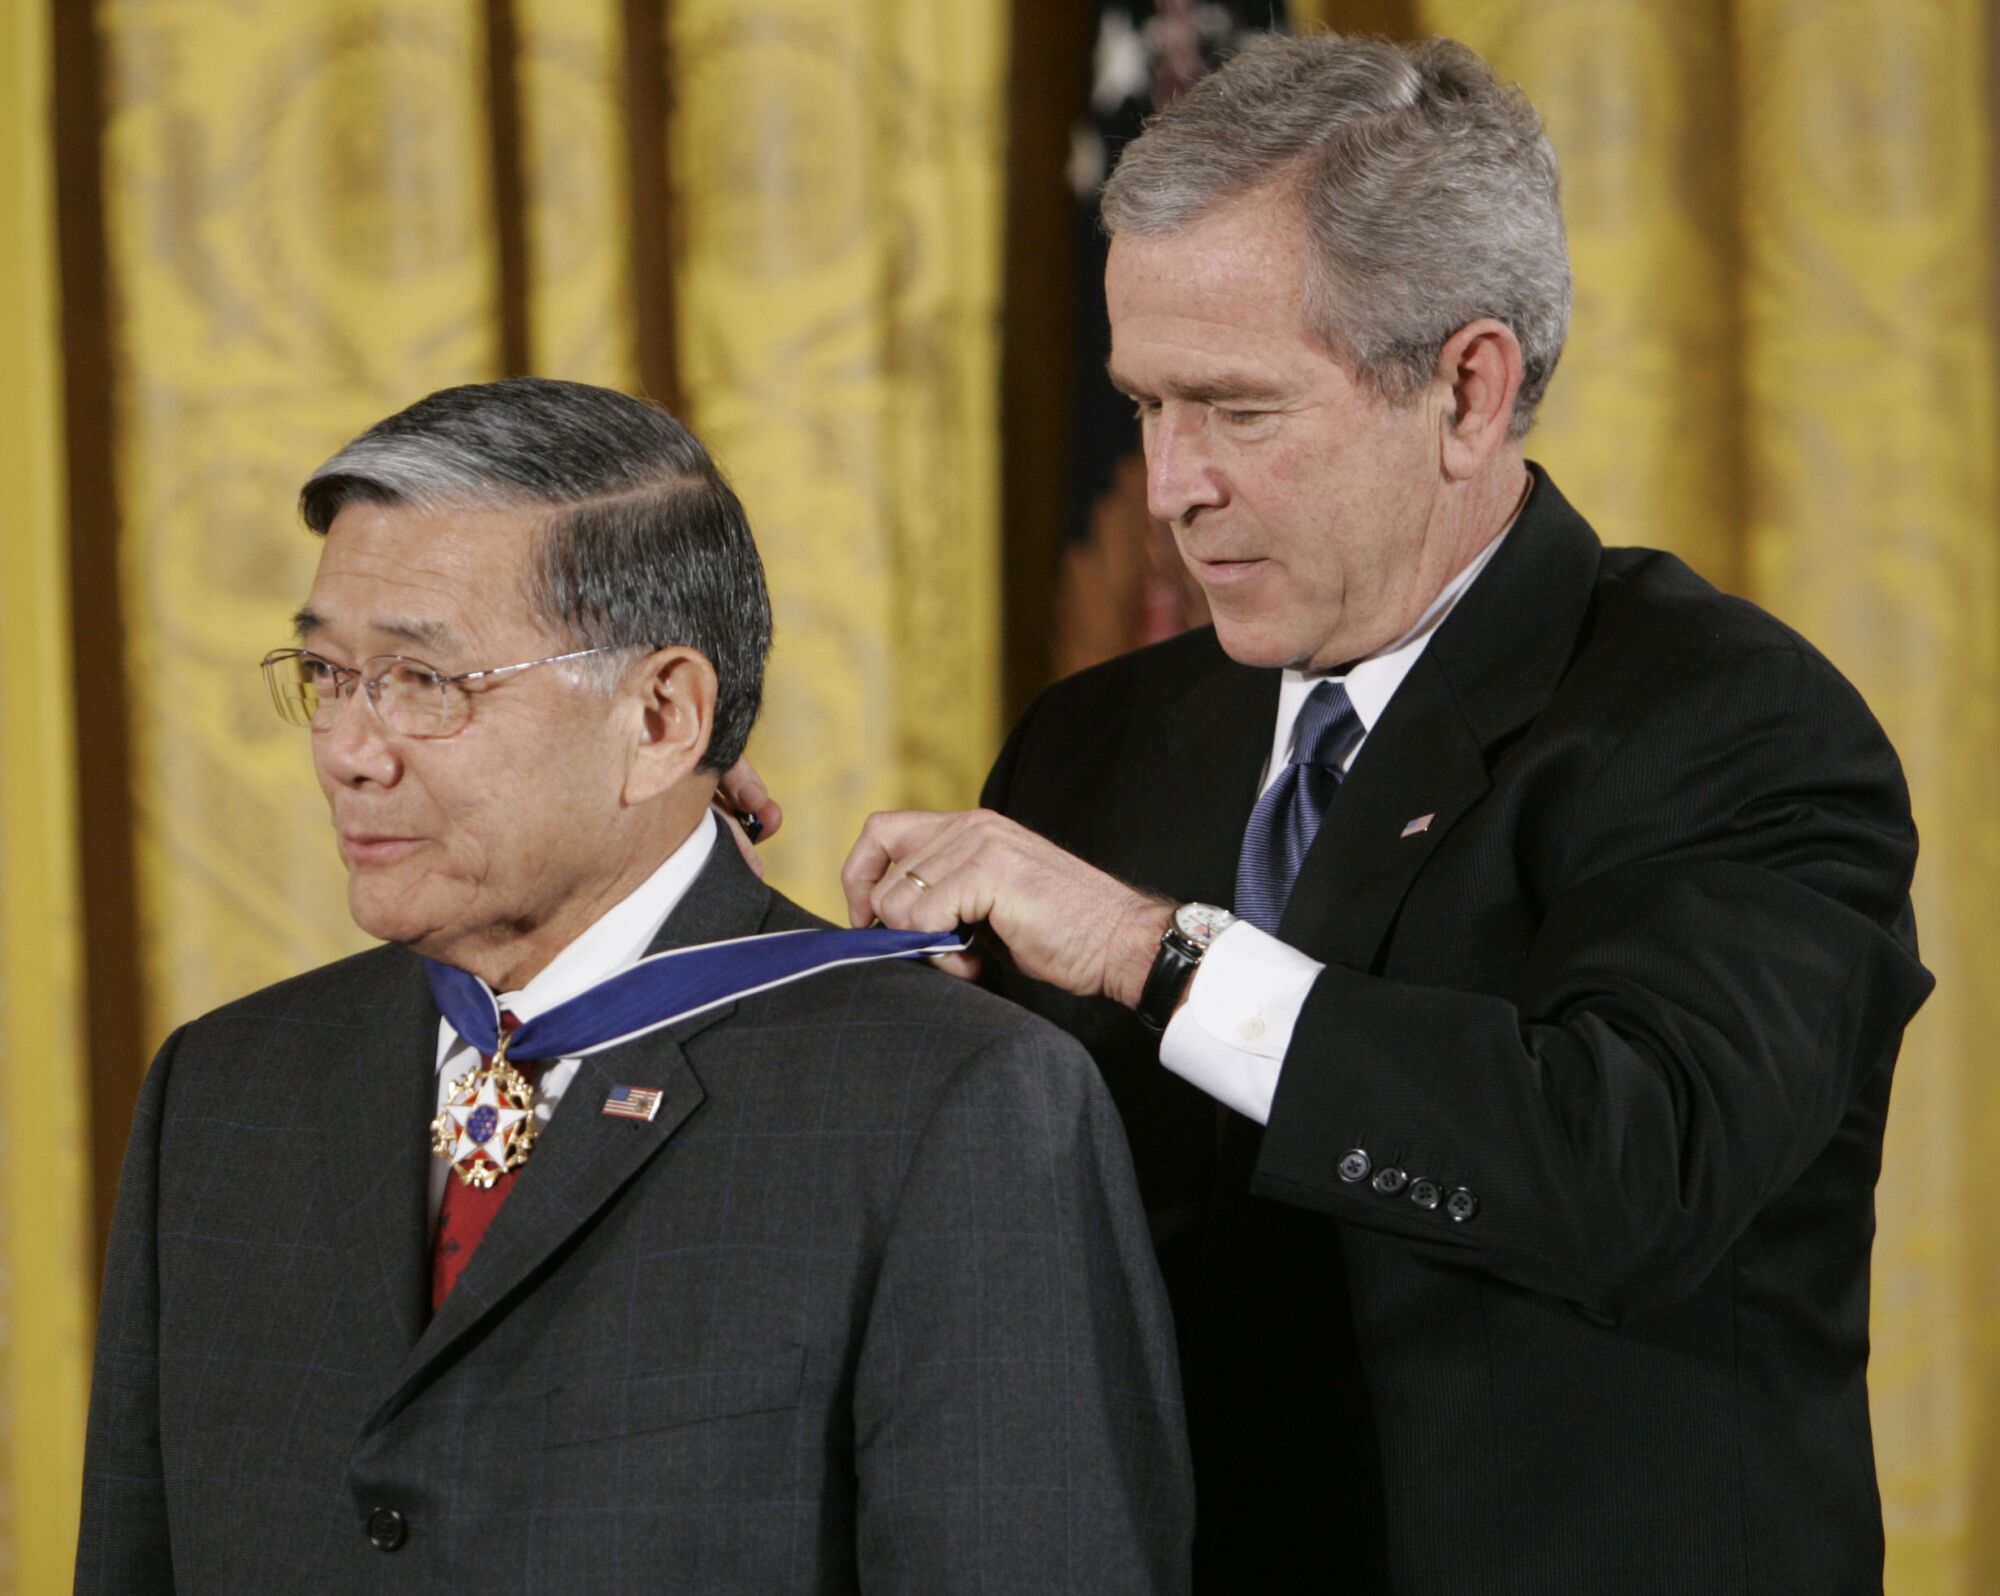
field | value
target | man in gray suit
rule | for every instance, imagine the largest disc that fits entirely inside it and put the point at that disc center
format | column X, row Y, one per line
column 829, row 1275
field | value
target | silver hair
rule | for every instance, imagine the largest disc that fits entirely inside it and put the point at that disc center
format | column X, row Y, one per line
column 1426, row 185
column 645, row 546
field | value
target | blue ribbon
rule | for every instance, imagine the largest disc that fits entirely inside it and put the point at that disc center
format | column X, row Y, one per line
column 667, row 987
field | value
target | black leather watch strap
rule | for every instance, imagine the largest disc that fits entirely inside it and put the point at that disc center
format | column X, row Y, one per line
column 1168, row 979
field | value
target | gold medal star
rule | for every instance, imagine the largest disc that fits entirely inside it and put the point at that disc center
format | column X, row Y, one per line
column 487, row 1125
column 497, row 1126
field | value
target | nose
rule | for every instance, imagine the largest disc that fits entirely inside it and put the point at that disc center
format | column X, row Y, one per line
column 356, row 748
column 1181, row 477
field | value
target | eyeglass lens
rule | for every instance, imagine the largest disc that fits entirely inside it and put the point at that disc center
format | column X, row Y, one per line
column 406, row 695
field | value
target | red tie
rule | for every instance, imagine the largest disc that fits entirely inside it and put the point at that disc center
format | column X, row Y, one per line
column 467, row 1211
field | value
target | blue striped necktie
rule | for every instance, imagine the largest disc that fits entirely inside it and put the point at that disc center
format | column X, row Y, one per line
column 1287, row 817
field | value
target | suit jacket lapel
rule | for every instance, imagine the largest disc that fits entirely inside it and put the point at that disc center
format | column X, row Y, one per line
column 584, row 1157
column 1427, row 760
column 1218, row 737
column 1420, row 760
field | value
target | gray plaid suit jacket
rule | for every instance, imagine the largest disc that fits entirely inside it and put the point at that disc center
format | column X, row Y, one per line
column 869, row 1305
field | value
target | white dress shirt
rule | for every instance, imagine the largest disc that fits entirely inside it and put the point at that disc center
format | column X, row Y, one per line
column 1230, row 1036
column 617, row 938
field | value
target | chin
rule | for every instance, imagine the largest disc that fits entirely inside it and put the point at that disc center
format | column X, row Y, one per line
column 388, row 919
column 1249, row 644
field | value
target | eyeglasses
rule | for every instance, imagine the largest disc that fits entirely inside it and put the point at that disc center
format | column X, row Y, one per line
column 408, row 697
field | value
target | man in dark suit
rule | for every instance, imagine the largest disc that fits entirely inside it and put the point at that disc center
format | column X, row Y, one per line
column 1510, row 1150
column 832, row 1285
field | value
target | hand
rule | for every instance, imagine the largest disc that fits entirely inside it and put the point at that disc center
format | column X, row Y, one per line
column 741, row 792
column 1063, row 921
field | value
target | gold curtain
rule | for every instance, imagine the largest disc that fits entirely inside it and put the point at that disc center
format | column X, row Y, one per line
column 45, row 1259
column 577, row 192
column 1782, row 368
column 836, row 173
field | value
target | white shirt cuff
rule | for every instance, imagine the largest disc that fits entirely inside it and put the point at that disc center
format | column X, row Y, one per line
column 1230, row 1036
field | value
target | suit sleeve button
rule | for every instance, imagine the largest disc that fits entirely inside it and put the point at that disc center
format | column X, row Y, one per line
column 1461, row 1205
column 1354, row 1165
column 1426, row 1193
column 387, row 1529
column 1390, row 1180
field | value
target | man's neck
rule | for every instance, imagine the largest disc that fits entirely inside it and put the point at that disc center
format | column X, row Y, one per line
column 515, row 955
column 620, row 936
column 1486, row 506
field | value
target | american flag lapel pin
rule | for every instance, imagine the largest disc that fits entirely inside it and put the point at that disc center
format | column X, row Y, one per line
column 632, row 1102
column 1420, row 825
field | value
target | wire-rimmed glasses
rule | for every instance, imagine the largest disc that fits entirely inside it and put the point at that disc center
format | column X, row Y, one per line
column 407, row 696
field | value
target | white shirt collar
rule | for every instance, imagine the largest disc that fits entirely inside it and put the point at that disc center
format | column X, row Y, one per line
column 620, row 935
column 1372, row 682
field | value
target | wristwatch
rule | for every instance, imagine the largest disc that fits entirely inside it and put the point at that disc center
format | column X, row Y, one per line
column 1187, row 937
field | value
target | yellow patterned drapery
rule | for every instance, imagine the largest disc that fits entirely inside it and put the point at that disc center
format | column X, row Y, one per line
column 836, row 176
column 1782, row 367
column 577, row 192
column 46, row 1260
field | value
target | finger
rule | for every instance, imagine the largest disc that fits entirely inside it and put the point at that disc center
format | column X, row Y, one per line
column 743, row 787
column 742, row 840
column 742, row 793
column 887, row 838
column 963, row 965
column 866, row 863
column 938, row 888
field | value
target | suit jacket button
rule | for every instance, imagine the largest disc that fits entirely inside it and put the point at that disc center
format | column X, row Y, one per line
column 1461, row 1205
column 1354, row 1165
column 1391, row 1180
column 387, row 1529
column 1426, row 1193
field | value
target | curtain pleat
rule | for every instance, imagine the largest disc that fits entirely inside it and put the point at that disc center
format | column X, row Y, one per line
column 1872, row 523
column 836, row 185
column 577, row 190
column 46, row 1259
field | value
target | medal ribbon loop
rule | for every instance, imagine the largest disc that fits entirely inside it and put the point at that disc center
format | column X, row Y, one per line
column 666, row 987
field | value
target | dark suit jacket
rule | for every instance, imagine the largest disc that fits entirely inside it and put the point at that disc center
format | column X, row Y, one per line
column 1635, row 991
column 869, row 1305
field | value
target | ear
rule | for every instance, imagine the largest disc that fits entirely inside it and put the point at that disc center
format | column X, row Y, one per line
column 672, row 693
column 1478, row 375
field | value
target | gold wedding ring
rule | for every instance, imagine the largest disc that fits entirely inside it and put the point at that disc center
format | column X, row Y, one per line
column 916, row 881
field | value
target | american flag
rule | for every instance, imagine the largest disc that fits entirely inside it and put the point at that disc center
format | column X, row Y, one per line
column 632, row 1102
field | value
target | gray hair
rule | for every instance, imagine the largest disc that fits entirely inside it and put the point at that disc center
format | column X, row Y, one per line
column 646, row 546
column 1426, row 185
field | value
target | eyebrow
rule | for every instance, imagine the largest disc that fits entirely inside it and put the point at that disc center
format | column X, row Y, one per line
column 424, row 634
column 1225, row 389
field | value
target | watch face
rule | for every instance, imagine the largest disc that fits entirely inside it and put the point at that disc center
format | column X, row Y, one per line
column 1201, row 923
